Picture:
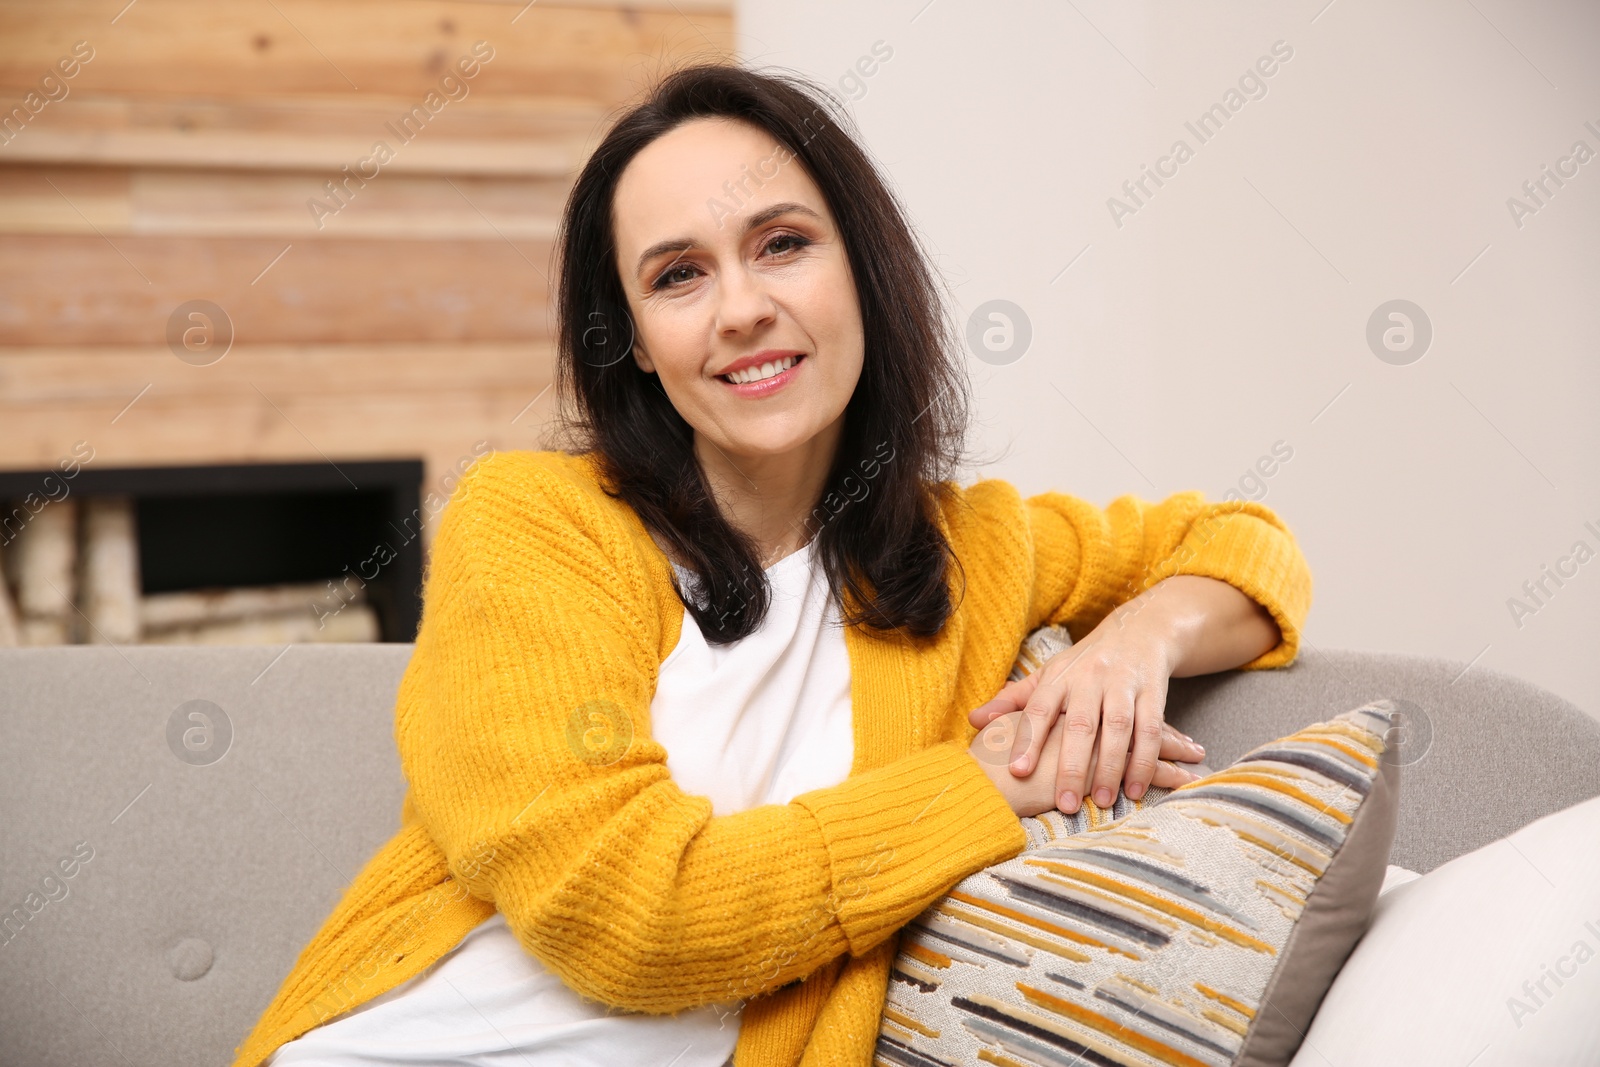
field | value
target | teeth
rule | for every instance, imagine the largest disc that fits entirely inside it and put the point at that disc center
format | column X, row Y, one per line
column 766, row 370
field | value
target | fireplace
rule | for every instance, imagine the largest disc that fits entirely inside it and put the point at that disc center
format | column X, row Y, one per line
column 241, row 553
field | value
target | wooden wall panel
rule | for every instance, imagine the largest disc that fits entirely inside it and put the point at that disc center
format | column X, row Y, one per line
column 597, row 55
column 62, row 199
column 39, row 377
column 138, row 406
column 480, row 134
column 78, row 290
column 411, row 322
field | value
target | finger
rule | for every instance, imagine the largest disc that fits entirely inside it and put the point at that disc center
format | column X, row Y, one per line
column 1013, row 696
column 1148, row 709
column 1116, row 731
column 1080, row 728
column 1040, row 711
column 1177, row 745
column 1094, row 761
column 1170, row 775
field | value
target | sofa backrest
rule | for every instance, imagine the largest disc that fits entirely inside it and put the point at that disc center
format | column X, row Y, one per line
column 211, row 804
column 1483, row 753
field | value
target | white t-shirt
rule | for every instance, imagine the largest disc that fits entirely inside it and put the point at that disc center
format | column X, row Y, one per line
column 756, row 722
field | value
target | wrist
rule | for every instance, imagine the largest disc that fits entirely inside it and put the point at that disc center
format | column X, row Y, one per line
column 1166, row 619
column 1028, row 795
column 997, row 780
column 991, row 751
column 1205, row 624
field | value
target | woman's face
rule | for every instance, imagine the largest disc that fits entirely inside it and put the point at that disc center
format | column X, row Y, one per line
column 730, row 257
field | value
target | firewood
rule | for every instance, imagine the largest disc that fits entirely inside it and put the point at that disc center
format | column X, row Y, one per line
column 109, row 588
column 196, row 607
column 42, row 558
column 10, row 635
column 357, row 622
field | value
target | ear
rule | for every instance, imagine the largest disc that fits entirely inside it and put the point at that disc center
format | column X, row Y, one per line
column 642, row 358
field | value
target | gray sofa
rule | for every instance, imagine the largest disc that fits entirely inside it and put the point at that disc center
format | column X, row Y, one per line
column 207, row 875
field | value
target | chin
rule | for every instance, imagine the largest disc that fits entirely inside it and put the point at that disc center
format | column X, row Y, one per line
column 774, row 440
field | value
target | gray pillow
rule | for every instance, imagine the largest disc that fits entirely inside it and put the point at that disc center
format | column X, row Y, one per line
column 1197, row 927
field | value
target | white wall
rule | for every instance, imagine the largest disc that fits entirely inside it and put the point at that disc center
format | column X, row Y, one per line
column 1230, row 310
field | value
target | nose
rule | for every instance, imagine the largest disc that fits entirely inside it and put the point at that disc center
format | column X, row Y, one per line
column 743, row 304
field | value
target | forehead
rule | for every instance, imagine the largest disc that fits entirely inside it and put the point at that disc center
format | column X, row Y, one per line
column 702, row 172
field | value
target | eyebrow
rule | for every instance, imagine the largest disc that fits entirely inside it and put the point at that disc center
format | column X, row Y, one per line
column 759, row 219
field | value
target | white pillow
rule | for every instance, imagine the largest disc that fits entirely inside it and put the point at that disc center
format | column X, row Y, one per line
column 1491, row 960
column 1396, row 876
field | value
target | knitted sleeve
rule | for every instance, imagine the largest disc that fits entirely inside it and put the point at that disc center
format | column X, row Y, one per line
column 523, row 731
column 1088, row 560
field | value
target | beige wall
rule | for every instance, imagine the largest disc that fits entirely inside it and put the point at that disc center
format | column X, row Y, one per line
column 1227, row 313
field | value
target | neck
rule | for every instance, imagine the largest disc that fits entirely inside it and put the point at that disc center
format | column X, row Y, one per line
column 769, row 497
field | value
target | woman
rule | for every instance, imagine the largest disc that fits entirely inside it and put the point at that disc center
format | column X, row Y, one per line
column 687, row 725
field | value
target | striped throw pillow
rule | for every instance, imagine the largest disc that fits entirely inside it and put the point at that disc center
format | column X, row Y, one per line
column 1199, row 929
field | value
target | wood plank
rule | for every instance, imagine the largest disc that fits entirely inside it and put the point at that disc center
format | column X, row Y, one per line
column 83, row 200
column 443, row 428
column 723, row 7
column 117, row 200
column 478, row 134
column 71, row 378
column 251, row 428
column 248, row 428
column 598, row 55
column 79, row 290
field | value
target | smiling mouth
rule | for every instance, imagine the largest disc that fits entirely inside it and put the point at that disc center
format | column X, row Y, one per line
column 760, row 374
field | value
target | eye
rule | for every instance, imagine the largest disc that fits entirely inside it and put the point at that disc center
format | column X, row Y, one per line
column 674, row 276
column 786, row 242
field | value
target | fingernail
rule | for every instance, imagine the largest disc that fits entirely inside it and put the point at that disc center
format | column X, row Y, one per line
column 1134, row 791
column 1020, row 764
column 1102, row 797
column 1069, row 802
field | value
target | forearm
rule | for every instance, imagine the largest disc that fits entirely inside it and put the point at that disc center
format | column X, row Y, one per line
column 1207, row 624
column 1089, row 561
column 662, row 907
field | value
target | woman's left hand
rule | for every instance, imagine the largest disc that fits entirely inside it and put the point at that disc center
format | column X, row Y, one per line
column 1112, row 686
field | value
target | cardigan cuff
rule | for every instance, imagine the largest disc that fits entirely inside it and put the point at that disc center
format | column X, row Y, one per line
column 900, row 836
column 1248, row 552
column 1260, row 561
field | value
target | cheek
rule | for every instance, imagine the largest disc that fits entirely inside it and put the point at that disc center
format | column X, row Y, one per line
column 830, row 313
column 673, row 335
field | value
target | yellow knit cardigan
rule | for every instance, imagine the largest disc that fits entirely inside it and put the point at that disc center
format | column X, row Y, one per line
column 523, row 727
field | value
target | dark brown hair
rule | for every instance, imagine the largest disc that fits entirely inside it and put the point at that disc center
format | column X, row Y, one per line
column 904, row 425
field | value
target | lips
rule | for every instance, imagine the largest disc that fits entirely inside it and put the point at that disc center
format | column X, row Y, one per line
column 769, row 385
column 754, row 369
column 756, row 359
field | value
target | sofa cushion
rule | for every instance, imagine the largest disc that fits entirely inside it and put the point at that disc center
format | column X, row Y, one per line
column 1201, row 928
